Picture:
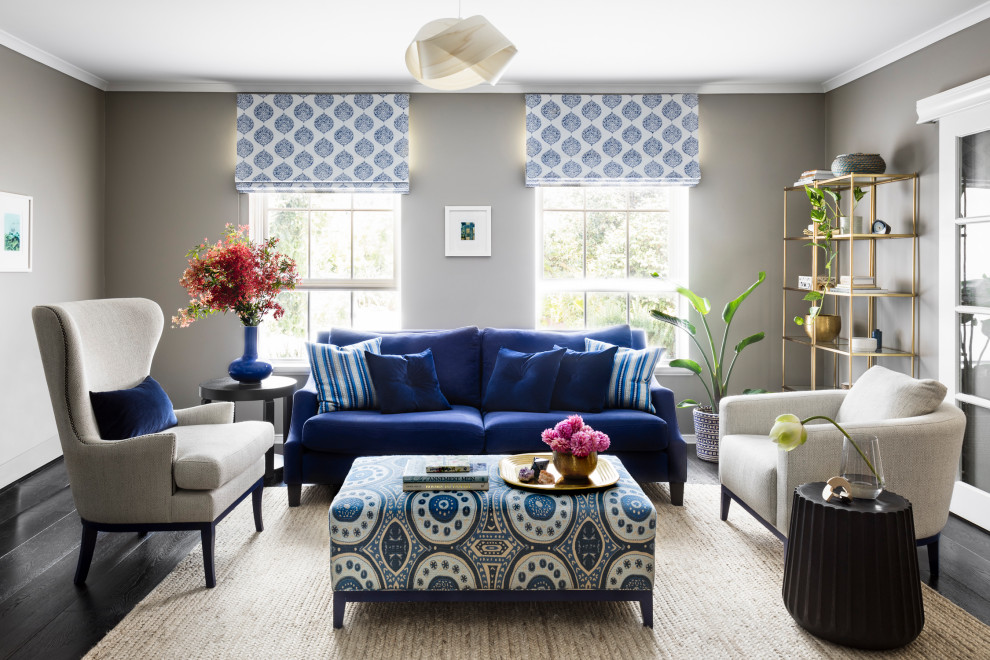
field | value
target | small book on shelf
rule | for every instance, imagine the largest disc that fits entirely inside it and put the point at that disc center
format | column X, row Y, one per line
column 857, row 280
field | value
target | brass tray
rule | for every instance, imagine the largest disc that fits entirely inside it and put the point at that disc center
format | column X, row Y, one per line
column 508, row 468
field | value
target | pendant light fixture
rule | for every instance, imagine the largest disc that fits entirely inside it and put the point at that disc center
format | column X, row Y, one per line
column 455, row 53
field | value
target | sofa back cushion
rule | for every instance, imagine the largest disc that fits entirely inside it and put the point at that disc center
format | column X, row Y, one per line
column 884, row 394
column 534, row 341
column 456, row 355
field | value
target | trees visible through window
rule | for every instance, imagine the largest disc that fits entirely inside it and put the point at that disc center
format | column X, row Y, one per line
column 598, row 248
column 346, row 248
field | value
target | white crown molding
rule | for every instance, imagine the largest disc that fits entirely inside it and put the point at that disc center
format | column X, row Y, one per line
column 501, row 88
column 937, row 33
column 958, row 98
column 44, row 57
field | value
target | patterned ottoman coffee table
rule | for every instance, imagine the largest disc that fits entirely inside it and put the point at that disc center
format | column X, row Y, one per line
column 504, row 544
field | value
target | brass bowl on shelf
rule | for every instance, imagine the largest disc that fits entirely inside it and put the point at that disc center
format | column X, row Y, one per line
column 823, row 327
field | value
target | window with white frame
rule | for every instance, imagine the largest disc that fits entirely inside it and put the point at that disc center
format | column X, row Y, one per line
column 346, row 247
column 597, row 250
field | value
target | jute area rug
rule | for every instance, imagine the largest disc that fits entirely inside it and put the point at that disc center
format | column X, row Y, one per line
column 717, row 595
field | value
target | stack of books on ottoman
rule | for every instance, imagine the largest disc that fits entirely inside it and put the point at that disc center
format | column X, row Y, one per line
column 444, row 473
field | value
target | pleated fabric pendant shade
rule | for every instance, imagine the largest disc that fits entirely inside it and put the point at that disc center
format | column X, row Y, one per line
column 453, row 53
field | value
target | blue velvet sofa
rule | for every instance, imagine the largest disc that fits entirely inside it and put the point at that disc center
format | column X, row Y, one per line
column 320, row 448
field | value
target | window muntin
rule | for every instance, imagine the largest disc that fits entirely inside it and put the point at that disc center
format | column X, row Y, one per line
column 346, row 249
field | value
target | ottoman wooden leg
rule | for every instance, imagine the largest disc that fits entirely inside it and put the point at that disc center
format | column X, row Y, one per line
column 646, row 607
column 339, row 603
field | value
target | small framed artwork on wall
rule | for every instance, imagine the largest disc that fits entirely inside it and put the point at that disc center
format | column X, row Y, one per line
column 468, row 231
column 15, row 222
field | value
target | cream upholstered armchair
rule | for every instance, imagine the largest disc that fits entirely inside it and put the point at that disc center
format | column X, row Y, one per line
column 920, row 442
column 187, row 477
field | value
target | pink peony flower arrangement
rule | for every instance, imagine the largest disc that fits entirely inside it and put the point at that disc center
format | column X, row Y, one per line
column 573, row 436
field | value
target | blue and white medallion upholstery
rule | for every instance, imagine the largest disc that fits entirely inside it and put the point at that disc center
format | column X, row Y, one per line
column 503, row 539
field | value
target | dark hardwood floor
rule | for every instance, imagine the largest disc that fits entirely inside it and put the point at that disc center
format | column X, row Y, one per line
column 42, row 615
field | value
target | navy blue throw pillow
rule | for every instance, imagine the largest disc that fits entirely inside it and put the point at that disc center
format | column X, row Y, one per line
column 140, row 410
column 583, row 379
column 523, row 381
column 406, row 383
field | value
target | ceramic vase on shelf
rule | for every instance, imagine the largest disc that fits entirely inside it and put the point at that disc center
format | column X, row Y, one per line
column 248, row 368
column 862, row 468
column 706, row 433
column 575, row 469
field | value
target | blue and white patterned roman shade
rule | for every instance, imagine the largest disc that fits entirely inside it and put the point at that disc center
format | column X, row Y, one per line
column 612, row 139
column 312, row 142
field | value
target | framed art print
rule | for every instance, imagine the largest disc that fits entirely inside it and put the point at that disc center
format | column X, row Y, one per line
column 468, row 231
column 15, row 222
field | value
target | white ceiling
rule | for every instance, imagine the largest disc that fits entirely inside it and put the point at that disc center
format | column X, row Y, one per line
column 613, row 45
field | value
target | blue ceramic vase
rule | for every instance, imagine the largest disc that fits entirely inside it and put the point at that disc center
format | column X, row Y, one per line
column 248, row 368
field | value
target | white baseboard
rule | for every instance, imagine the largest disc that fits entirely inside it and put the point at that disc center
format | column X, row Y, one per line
column 690, row 438
column 29, row 461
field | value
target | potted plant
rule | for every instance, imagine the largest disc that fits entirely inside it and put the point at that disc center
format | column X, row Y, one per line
column 240, row 276
column 825, row 209
column 717, row 382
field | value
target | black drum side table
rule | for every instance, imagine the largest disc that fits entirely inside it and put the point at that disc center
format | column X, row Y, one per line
column 273, row 387
column 851, row 570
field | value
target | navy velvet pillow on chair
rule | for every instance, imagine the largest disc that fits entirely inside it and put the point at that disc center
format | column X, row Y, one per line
column 523, row 381
column 139, row 410
column 406, row 383
column 583, row 379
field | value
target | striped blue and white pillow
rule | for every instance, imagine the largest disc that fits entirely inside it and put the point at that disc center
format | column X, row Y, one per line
column 632, row 372
column 341, row 374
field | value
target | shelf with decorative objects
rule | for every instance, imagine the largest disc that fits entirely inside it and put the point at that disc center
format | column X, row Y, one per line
column 852, row 305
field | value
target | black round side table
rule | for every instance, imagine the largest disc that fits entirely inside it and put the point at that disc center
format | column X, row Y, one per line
column 273, row 387
column 851, row 570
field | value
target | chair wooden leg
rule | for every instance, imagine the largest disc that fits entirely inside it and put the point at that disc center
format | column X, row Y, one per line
column 209, row 535
column 726, row 501
column 677, row 493
column 933, row 558
column 256, row 503
column 295, row 494
column 86, row 549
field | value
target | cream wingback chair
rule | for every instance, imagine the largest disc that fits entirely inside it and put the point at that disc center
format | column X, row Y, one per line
column 920, row 441
column 187, row 477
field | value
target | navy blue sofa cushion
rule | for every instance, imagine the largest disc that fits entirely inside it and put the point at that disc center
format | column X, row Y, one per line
column 370, row 433
column 629, row 430
column 456, row 355
column 406, row 383
column 142, row 409
column 583, row 380
column 523, row 381
column 533, row 341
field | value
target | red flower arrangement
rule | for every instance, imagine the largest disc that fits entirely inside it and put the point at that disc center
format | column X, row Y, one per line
column 235, row 275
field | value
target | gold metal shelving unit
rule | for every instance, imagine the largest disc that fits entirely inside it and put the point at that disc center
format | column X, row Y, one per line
column 840, row 348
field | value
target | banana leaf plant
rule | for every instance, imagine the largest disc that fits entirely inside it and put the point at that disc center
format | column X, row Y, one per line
column 717, row 382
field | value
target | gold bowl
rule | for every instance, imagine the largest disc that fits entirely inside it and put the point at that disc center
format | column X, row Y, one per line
column 573, row 468
column 823, row 327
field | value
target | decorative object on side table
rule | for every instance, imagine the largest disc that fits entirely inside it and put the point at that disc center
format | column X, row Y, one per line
column 240, row 276
column 467, row 231
column 851, row 570
column 858, row 164
column 18, row 237
column 706, row 417
column 860, row 466
column 575, row 448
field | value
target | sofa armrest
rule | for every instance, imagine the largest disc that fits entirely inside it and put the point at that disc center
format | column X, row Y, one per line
column 124, row 481
column 218, row 412
column 919, row 455
column 753, row 414
column 663, row 402
column 304, row 406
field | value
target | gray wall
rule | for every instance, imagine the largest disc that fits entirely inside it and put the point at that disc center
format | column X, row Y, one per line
column 52, row 137
column 876, row 114
column 466, row 149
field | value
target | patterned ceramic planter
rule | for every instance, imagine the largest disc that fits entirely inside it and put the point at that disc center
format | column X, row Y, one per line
column 706, row 433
